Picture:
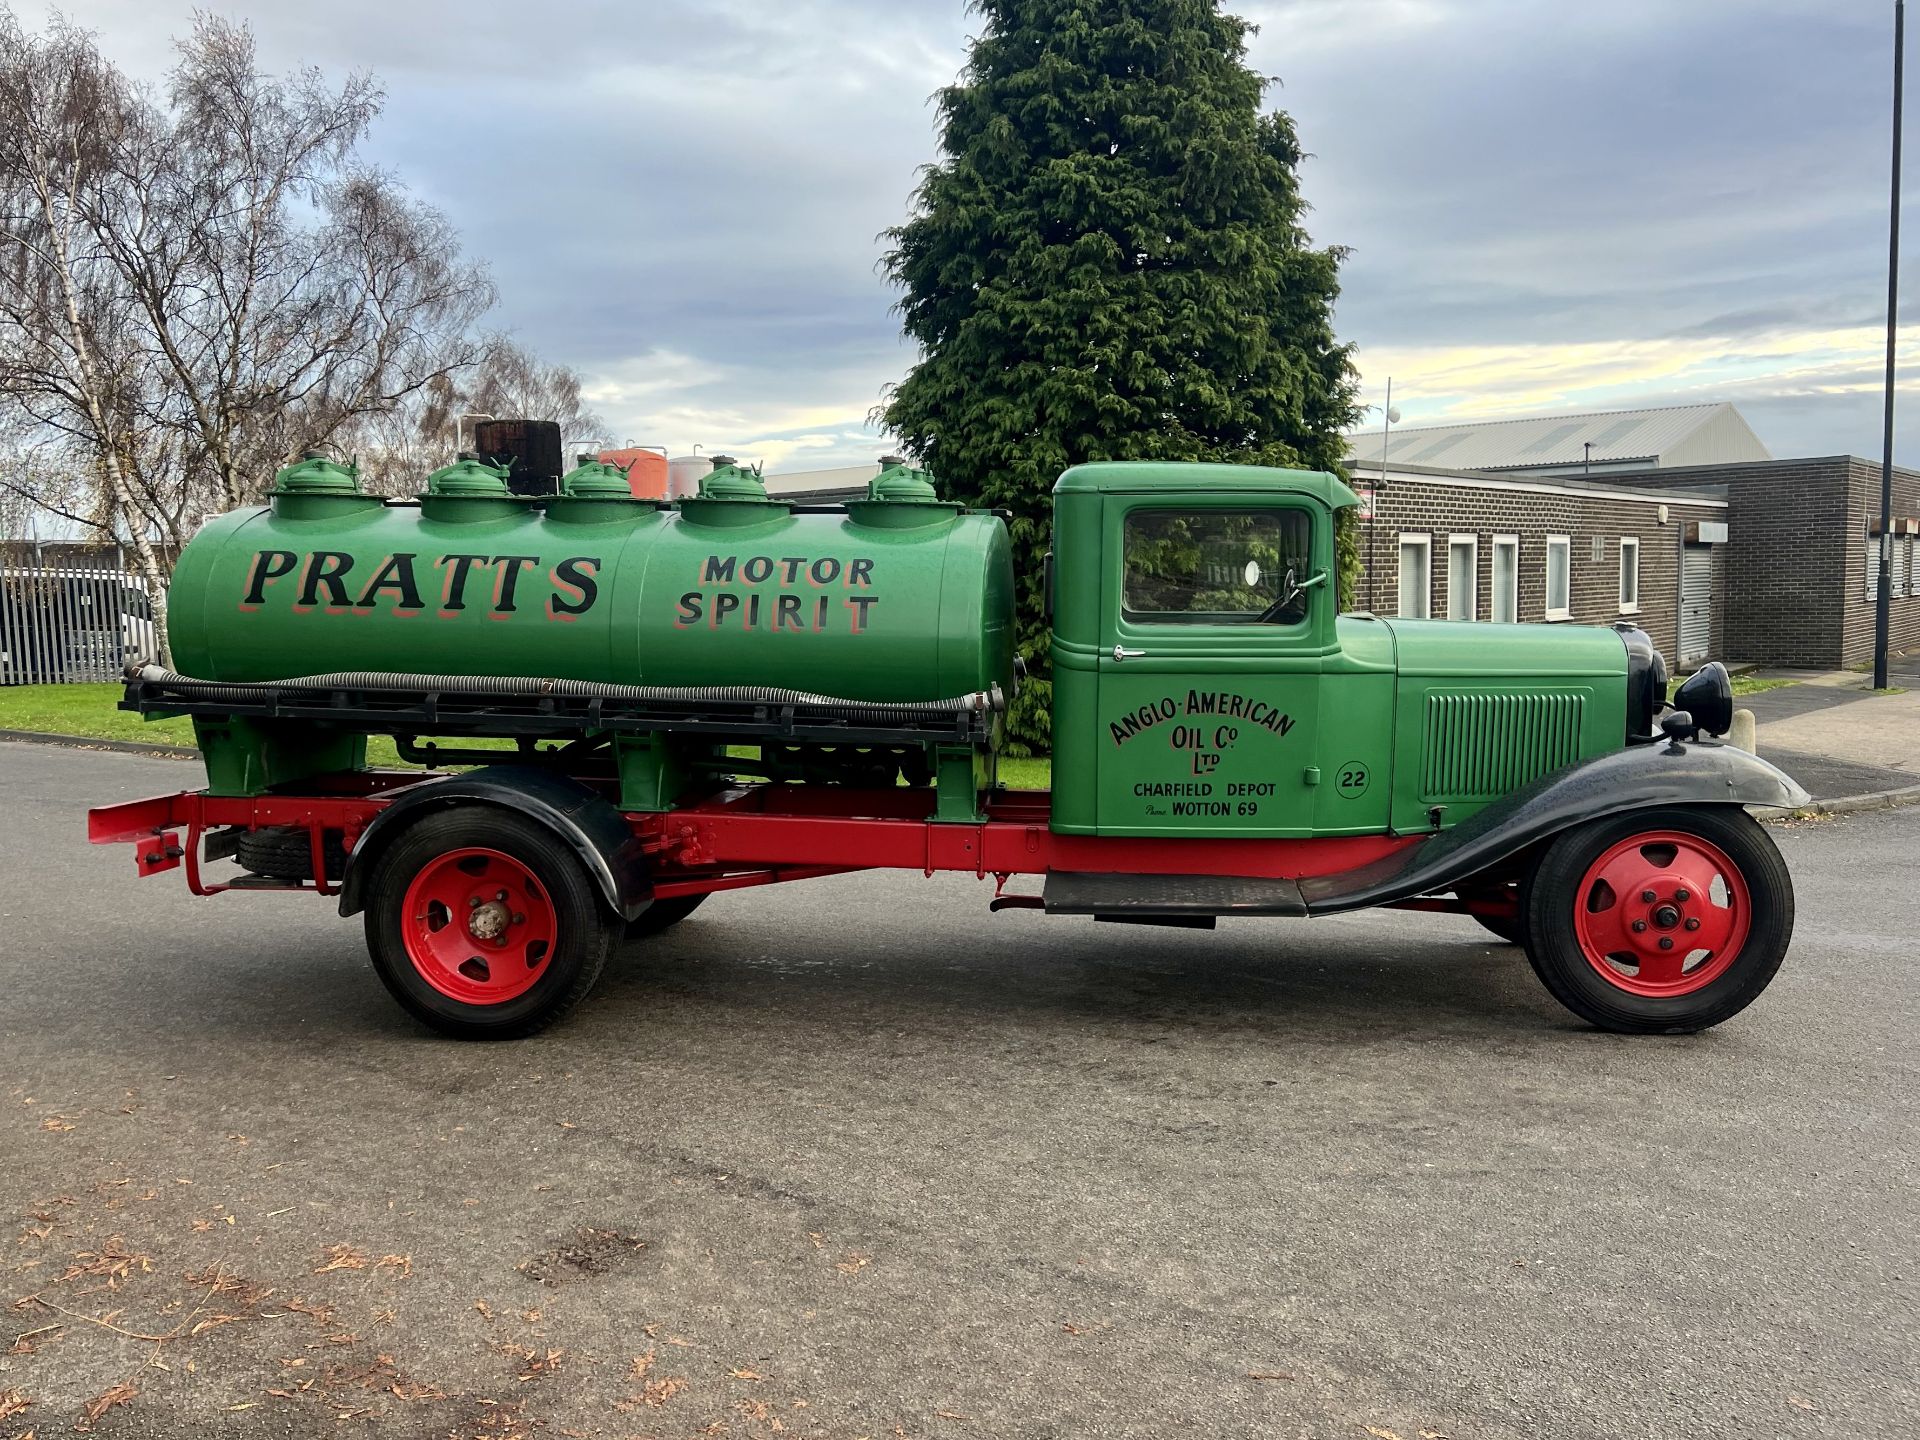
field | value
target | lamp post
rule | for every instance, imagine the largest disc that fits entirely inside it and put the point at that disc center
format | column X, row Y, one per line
column 1882, row 609
column 1388, row 416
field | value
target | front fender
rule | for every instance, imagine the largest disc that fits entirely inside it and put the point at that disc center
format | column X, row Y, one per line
column 582, row 821
column 1695, row 772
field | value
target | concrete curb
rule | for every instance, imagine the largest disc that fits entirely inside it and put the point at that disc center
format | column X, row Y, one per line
column 1851, row 804
column 90, row 742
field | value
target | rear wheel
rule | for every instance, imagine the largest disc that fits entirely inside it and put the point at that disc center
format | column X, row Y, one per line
column 661, row 914
column 1660, row 922
column 482, row 928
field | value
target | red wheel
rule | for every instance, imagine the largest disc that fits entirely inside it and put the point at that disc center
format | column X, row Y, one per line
column 1662, row 913
column 1664, row 921
column 478, row 926
column 484, row 927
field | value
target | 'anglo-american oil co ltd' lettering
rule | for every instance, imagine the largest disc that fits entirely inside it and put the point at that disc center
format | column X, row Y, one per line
column 780, row 594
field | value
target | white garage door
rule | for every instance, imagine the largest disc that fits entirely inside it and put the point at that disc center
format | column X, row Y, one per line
column 1696, row 603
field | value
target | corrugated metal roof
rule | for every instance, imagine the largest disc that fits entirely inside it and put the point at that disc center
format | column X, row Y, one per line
column 1537, row 441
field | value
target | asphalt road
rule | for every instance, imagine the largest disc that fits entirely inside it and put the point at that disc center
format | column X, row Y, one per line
column 855, row 1158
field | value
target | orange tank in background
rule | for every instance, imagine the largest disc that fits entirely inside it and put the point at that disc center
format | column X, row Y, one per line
column 646, row 471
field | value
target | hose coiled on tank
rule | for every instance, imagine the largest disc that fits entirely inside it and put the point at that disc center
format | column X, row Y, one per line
column 991, row 699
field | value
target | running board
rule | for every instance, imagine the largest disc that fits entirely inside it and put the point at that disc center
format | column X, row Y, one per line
column 1152, row 898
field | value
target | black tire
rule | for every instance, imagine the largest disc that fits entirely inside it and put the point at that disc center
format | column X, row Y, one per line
column 285, row 852
column 661, row 915
column 582, row 935
column 1552, row 894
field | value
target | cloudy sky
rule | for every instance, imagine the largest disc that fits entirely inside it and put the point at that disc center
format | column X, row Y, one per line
column 1550, row 205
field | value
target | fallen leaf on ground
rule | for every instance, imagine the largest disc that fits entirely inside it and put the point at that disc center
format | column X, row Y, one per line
column 1800, row 1402
column 853, row 1264
column 401, row 1263
column 746, row 1374
column 56, row 1124
column 952, row 1415
column 121, row 1394
column 12, row 1402
column 113, row 1262
column 1379, row 1434
column 658, row 1392
column 1435, row 1435
column 642, row 1364
column 341, row 1257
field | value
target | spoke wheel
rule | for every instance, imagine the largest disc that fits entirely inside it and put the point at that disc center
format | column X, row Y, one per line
column 482, row 926
column 478, row 926
column 1660, row 921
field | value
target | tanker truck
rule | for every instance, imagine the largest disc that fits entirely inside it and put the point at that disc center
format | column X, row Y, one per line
column 625, row 706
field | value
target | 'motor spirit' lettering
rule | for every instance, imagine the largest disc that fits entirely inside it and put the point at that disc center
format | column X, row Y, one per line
column 798, row 611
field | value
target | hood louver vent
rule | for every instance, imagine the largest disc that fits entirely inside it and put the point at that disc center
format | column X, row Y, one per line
column 1481, row 746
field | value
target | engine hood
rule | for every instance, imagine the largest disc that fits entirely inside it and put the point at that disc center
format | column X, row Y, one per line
column 1458, row 650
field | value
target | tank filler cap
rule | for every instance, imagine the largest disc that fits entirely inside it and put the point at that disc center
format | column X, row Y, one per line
column 468, row 476
column 594, row 479
column 902, row 484
column 315, row 474
column 731, row 482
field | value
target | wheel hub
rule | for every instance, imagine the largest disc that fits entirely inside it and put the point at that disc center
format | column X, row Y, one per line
column 1662, row 913
column 489, row 921
column 479, row 926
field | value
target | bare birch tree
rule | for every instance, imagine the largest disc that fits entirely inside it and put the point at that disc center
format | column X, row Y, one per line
column 199, row 283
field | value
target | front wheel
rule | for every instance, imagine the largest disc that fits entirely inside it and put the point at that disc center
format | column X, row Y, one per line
column 1661, row 922
column 481, row 928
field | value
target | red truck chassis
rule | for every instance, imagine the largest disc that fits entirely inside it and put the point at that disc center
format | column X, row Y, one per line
column 761, row 835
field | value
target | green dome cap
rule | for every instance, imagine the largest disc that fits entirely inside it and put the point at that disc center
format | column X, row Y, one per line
column 468, row 476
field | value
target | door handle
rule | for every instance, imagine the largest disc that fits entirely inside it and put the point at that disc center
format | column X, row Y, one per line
column 1120, row 652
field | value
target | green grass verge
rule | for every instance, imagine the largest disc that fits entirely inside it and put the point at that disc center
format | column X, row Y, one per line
column 89, row 710
column 1747, row 685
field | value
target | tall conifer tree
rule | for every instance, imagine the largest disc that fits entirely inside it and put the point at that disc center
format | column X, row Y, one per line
column 1109, row 264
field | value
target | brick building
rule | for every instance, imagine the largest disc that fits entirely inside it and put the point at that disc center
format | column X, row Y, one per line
column 1803, row 556
column 1472, row 546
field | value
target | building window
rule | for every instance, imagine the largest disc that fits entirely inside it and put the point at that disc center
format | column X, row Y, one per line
column 1463, row 577
column 1899, row 563
column 1629, row 575
column 1873, row 567
column 1559, row 578
column 1506, row 579
column 1416, row 554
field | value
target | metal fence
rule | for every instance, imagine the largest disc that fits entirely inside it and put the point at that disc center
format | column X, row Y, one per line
column 69, row 614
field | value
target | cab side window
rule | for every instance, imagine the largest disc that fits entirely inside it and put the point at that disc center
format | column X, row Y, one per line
column 1215, row 567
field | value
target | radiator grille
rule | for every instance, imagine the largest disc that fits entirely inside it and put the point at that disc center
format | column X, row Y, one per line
column 1481, row 746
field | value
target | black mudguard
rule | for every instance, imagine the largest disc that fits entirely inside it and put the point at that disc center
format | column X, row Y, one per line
column 1695, row 772
column 582, row 821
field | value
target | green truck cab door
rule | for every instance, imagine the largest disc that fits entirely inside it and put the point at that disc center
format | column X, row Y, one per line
column 1216, row 618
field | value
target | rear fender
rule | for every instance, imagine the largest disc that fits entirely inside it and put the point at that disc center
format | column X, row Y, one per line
column 584, row 823
column 1698, row 772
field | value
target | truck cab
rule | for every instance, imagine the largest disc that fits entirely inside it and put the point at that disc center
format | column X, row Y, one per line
column 1205, row 682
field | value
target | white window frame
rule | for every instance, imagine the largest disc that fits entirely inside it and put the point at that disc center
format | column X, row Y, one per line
column 1873, row 567
column 1512, row 617
column 1629, row 604
column 1565, row 544
column 1424, row 543
column 1471, row 544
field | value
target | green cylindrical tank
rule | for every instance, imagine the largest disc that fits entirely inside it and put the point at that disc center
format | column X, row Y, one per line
column 898, row 597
